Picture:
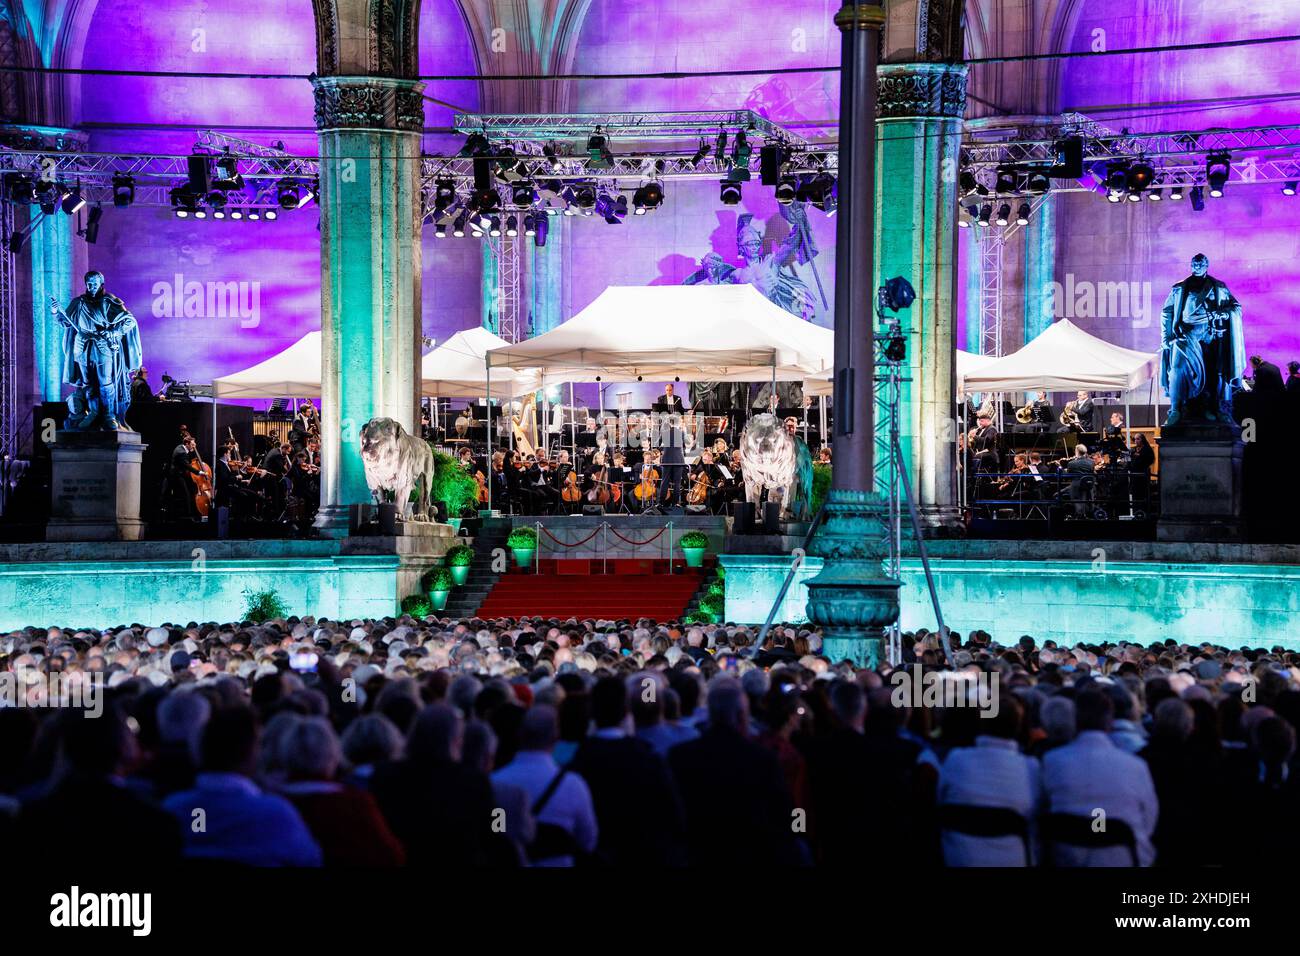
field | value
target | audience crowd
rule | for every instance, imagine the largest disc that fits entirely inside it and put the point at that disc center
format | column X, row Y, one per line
column 541, row 742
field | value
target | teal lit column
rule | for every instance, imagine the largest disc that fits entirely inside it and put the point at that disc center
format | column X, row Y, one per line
column 545, row 272
column 972, row 265
column 489, row 299
column 1040, row 268
column 52, row 253
column 919, row 128
column 369, row 131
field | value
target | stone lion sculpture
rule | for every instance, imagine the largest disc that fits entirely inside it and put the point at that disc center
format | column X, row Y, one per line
column 772, row 459
column 399, row 463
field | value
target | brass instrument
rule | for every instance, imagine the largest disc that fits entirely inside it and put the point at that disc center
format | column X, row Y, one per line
column 1068, row 415
column 1025, row 415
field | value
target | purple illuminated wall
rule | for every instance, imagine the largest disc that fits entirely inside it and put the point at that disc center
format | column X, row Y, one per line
column 1252, row 234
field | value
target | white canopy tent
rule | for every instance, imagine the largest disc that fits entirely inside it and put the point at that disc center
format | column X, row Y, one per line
column 967, row 362
column 1065, row 358
column 293, row 373
column 693, row 333
column 456, row 369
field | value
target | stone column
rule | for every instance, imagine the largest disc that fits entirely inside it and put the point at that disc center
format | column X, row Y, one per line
column 851, row 599
column 1040, row 268
column 919, row 122
column 51, row 247
column 369, row 130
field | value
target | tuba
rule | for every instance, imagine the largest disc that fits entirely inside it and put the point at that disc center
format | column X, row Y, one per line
column 1068, row 415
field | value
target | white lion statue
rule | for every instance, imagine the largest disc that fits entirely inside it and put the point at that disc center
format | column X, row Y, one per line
column 772, row 459
column 397, row 462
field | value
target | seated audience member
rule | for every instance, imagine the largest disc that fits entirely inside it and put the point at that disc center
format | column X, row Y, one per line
column 226, row 816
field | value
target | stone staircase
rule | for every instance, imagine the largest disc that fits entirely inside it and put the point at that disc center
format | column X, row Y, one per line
column 464, row 602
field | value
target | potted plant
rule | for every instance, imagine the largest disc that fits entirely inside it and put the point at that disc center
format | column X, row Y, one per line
column 714, row 605
column 438, row 583
column 459, row 558
column 694, row 544
column 417, row 605
column 523, row 542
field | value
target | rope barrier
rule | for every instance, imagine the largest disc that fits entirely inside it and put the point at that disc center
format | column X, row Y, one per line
column 574, row 544
column 638, row 544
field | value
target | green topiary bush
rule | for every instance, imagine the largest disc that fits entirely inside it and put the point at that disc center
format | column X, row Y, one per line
column 261, row 606
column 821, row 485
column 417, row 605
column 460, row 556
column 453, row 485
column 693, row 539
column 436, row 579
column 713, row 605
column 522, row 538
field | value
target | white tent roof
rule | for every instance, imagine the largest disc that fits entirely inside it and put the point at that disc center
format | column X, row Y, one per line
column 967, row 362
column 456, row 368
column 1065, row 358
column 293, row 373
column 695, row 333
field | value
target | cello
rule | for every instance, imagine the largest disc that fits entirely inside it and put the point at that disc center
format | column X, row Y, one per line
column 647, row 487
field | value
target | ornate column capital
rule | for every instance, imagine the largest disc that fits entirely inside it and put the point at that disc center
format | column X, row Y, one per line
column 861, row 16
column 368, row 102
column 924, row 90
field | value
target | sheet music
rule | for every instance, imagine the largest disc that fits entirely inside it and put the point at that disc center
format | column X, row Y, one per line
column 726, row 473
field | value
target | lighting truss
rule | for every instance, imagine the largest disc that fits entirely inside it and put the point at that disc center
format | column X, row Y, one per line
column 532, row 130
column 1260, row 154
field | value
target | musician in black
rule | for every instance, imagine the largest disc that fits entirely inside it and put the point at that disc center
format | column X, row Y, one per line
column 178, row 489
column 706, row 478
column 558, row 475
column 1081, row 470
column 1112, row 437
column 984, row 447
column 1142, row 458
column 670, row 438
column 1040, row 409
column 1083, row 407
column 231, row 489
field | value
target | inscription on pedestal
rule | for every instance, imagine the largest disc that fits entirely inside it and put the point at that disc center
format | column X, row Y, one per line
column 95, row 487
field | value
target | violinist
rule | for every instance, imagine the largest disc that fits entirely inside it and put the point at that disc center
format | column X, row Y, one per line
column 232, row 488
column 179, row 490
column 707, row 486
column 564, row 493
column 501, row 484
column 1015, row 484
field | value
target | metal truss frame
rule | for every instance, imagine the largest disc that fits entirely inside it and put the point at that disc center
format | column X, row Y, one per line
column 1260, row 154
column 533, row 129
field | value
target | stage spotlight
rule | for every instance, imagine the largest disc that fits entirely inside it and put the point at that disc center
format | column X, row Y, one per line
column 123, row 190
column 458, row 226
column 236, row 213
column 785, row 190
column 620, row 206
column 476, row 144
column 552, row 156
column 530, row 225
column 729, row 192
column 48, row 195
column 287, row 194
column 512, row 226
column 741, row 151
column 1114, row 195
column 1008, row 180
column 254, row 215
column 584, row 197
column 183, row 202
column 700, row 154
column 229, row 175
column 1198, row 199
column 986, row 213
column 485, row 200
column 1175, row 191
column 440, row 231
column 1217, row 168
column 1022, row 214
column 542, row 226
column 494, row 226
column 649, row 196
column 968, row 182
column 218, row 214
column 963, row 217
column 523, row 194
column 1038, row 182
column 20, row 188
column 73, row 201
column 216, row 199
column 598, row 149
column 971, row 212
column 1140, row 176
column 720, row 147
column 200, row 214
column 270, row 214
column 91, row 232
column 16, row 240
column 444, row 194
column 1004, row 214
column 1288, row 189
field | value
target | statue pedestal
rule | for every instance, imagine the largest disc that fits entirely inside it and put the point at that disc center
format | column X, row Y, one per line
column 1200, row 483
column 95, row 487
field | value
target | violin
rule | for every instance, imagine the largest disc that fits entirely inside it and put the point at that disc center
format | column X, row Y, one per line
column 482, row 487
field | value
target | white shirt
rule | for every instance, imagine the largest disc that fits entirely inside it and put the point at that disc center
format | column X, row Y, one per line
column 993, row 773
column 1092, row 774
column 570, row 806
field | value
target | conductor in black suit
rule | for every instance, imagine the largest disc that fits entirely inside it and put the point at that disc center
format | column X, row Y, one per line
column 671, row 440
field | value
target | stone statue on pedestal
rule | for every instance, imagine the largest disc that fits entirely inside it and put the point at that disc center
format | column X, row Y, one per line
column 101, row 348
column 1201, row 347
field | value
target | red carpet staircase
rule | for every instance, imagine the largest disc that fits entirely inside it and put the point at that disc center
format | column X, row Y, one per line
column 660, row 596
